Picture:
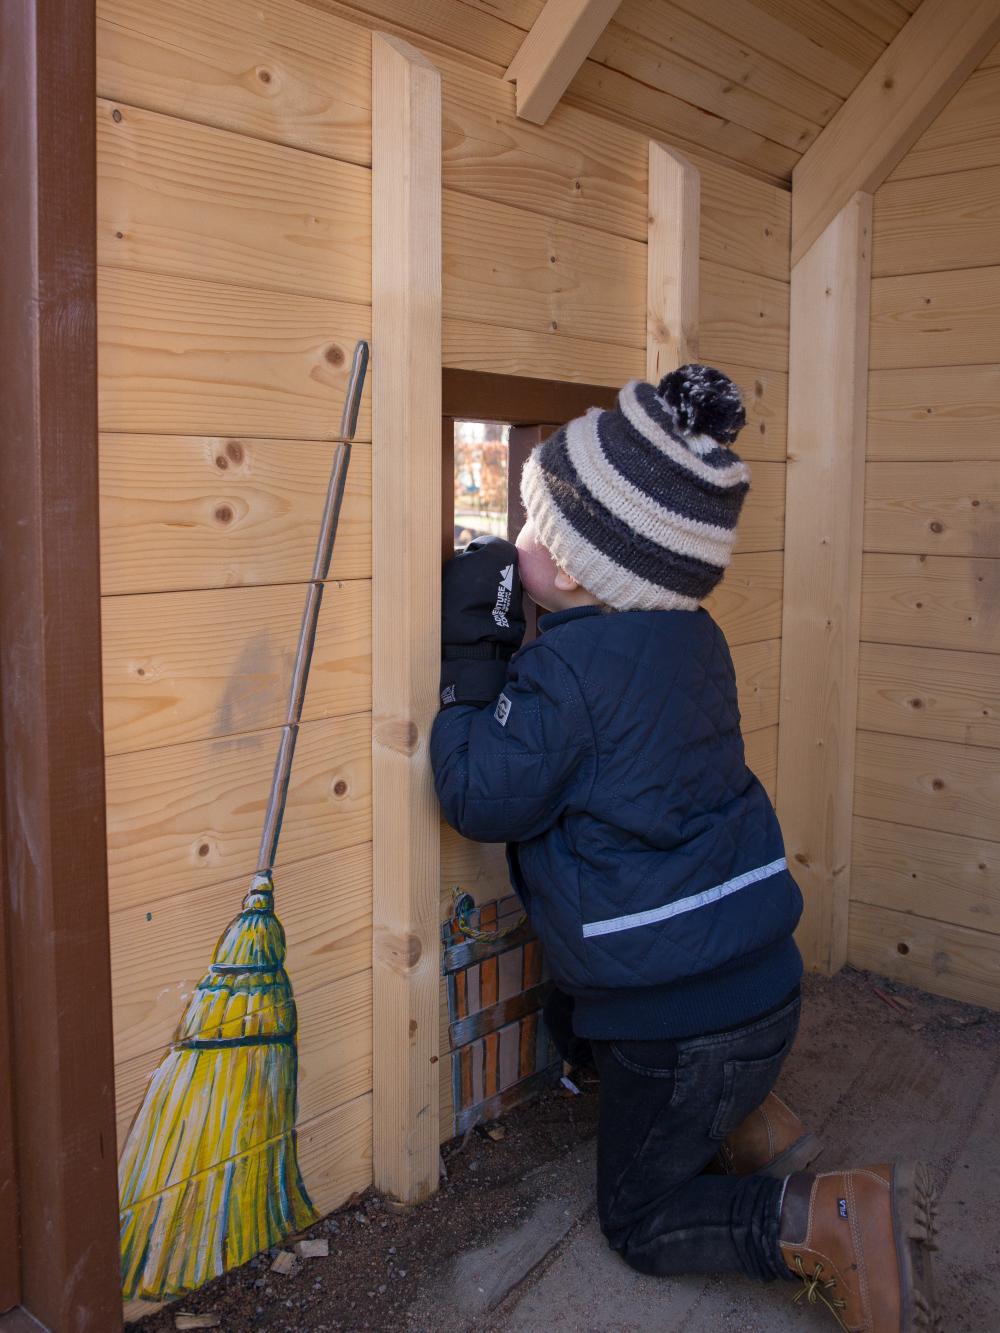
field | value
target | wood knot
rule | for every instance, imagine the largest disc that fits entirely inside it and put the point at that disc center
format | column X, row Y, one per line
column 413, row 1027
column 264, row 75
column 400, row 952
column 403, row 737
column 937, row 527
column 335, row 355
column 116, row 116
column 340, row 787
column 801, row 858
column 937, row 785
column 888, row 83
column 235, row 451
column 224, row 514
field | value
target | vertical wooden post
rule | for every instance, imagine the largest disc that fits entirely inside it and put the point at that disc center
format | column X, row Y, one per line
column 672, row 257
column 53, row 875
column 827, row 403
column 406, row 335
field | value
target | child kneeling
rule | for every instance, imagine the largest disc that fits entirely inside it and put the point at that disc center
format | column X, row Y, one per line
column 607, row 754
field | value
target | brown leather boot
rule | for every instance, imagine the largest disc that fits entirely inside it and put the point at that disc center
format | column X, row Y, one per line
column 861, row 1242
column 771, row 1141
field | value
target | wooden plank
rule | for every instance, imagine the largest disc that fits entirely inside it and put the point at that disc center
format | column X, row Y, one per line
column 187, row 666
column 943, row 959
column 636, row 53
column 280, row 71
column 179, row 198
column 185, row 357
column 479, row 868
column 478, row 32
column 747, row 603
column 579, row 167
column 189, row 511
column 965, row 135
column 615, row 96
column 945, row 413
column 778, row 36
column 927, row 873
column 765, row 397
column 829, row 29
column 744, row 318
column 335, row 1045
column 936, row 319
column 757, row 669
column 161, row 946
column 53, row 897
column 762, row 523
column 933, row 601
column 762, row 757
column 882, row 18
column 585, row 168
column 931, row 692
column 470, row 345
column 828, row 378
column 553, row 51
column 188, row 816
column 335, row 1153
column 940, row 508
column 937, row 222
column 706, row 38
column 672, row 262
column 930, row 784
column 406, row 289
column 896, row 100
column 507, row 266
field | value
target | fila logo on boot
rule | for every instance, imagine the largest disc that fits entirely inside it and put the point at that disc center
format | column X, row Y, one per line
column 504, row 591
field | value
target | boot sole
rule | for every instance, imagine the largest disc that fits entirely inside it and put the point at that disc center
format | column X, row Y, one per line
column 799, row 1157
column 914, row 1204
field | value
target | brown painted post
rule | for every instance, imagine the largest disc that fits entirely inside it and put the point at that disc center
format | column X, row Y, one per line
column 54, row 870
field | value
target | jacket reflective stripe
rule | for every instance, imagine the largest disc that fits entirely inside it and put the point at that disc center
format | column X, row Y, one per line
column 615, row 923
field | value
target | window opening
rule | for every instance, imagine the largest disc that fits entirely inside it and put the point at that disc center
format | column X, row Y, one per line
column 481, row 479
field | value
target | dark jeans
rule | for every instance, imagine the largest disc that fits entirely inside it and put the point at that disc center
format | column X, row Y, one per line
column 665, row 1107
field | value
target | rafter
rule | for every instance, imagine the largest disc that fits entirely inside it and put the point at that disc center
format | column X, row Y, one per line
column 891, row 107
column 562, row 37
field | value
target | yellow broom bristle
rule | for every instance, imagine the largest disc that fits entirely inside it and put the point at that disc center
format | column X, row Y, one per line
column 209, row 1175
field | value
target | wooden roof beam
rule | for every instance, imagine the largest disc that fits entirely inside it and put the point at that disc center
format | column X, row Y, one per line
column 562, row 37
column 894, row 103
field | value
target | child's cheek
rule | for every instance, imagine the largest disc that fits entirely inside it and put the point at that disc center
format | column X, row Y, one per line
column 537, row 572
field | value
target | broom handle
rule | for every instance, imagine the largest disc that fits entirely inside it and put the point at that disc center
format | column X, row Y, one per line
column 310, row 614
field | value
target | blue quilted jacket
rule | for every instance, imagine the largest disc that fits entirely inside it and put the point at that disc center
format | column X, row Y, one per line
column 646, row 853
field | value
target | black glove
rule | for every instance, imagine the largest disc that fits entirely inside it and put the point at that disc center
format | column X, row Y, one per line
column 482, row 621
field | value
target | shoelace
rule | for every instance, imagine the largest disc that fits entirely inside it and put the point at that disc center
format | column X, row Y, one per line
column 815, row 1290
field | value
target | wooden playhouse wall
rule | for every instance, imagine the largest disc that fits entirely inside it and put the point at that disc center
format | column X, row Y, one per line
column 925, row 883
column 235, row 251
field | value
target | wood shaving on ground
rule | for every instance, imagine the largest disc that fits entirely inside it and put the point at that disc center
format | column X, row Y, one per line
column 313, row 1249
column 284, row 1264
column 893, row 1001
column 196, row 1321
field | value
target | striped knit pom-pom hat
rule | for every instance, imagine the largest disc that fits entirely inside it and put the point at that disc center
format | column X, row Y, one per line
column 639, row 504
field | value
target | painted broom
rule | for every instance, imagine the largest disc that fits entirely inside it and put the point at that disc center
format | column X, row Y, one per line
column 209, row 1173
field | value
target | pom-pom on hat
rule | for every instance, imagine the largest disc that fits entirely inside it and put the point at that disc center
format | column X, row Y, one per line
column 639, row 504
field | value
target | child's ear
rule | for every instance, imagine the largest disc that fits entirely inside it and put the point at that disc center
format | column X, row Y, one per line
column 565, row 582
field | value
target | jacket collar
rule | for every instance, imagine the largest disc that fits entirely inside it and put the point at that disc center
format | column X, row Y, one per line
column 553, row 618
